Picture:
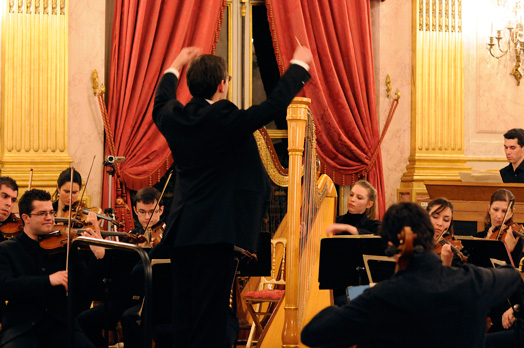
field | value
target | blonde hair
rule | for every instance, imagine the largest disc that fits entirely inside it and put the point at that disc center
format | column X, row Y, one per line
column 370, row 212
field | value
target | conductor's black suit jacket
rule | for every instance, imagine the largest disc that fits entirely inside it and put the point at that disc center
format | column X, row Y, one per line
column 221, row 190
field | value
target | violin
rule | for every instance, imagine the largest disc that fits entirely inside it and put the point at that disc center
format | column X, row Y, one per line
column 152, row 236
column 57, row 240
column 456, row 246
column 499, row 232
column 12, row 226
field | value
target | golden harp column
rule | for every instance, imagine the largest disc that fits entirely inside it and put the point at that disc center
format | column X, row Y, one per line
column 34, row 91
column 437, row 97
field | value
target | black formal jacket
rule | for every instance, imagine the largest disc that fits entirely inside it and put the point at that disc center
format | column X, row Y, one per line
column 509, row 175
column 24, row 283
column 360, row 222
column 426, row 305
column 221, row 190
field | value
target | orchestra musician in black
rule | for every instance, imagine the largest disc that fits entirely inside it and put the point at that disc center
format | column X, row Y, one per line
column 66, row 191
column 34, row 282
column 514, row 150
column 121, row 285
column 396, row 312
column 8, row 196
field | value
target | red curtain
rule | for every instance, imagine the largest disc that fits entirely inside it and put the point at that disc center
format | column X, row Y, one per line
column 147, row 36
column 342, row 89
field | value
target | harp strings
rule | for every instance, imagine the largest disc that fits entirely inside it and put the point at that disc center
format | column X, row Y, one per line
column 308, row 235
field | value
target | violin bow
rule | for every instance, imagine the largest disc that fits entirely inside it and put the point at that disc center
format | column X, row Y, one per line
column 68, row 233
column 510, row 207
column 78, row 207
column 148, row 236
column 30, row 179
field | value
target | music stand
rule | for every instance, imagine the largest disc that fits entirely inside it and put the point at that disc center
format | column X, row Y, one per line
column 481, row 251
column 341, row 262
column 379, row 268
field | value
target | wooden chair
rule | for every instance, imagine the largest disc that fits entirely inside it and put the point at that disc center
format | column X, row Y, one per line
column 259, row 301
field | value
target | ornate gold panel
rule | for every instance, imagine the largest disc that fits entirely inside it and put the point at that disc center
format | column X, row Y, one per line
column 34, row 91
column 437, row 94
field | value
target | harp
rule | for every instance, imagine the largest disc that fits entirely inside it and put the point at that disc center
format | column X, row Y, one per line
column 310, row 209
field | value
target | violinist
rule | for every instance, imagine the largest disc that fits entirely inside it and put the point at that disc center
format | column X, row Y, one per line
column 145, row 202
column 441, row 214
column 34, row 283
column 62, row 194
column 494, row 218
column 8, row 196
column 94, row 320
column 424, row 305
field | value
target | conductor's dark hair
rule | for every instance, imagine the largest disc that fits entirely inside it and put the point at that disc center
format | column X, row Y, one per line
column 205, row 74
column 147, row 195
column 65, row 177
column 9, row 182
column 407, row 214
column 441, row 204
column 516, row 133
column 25, row 204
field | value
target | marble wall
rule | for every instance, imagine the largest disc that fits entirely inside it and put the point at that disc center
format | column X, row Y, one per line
column 392, row 55
column 86, row 53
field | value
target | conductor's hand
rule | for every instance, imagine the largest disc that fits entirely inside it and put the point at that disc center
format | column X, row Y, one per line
column 58, row 278
column 186, row 55
column 303, row 54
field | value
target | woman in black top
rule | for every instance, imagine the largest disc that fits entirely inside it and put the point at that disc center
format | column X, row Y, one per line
column 62, row 194
column 360, row 217
column 497, row 209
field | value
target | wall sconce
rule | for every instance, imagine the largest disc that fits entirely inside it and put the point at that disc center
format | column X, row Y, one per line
column 508, row 26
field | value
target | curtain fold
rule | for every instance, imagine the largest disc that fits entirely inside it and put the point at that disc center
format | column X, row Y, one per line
column 342, row 89
column 147, row 36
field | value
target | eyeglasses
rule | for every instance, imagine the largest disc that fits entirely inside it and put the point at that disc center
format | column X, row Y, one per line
column 228, row 78
column 43, row 213
column 151, row 212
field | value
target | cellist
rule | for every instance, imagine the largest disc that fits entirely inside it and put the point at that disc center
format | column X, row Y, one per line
column 34, row 283
column 8, row 196
column 424, row 305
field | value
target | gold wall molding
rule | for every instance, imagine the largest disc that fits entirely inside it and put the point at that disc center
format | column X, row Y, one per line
column 34, row 92
column 437, row 94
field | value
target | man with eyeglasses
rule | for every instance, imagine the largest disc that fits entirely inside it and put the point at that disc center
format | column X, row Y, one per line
column 120, row 287
column 34, row 283
column 146, row 209
column 8, row 196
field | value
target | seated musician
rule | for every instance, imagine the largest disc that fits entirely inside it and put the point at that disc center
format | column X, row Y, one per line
column 63, row 193
column 397, row 312
column 514, row 149
column 145, row 202
column 34, row 282
column 497, row 210
column 119, row 298
column 441, row 215
column 8, row 196
column 360, row 218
